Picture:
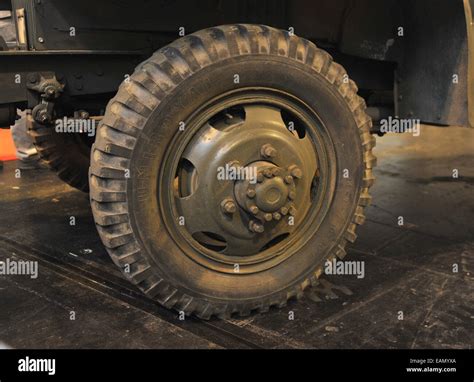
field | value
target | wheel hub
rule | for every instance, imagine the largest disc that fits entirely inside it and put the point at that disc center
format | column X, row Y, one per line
column 270, row 196
column 250, row 181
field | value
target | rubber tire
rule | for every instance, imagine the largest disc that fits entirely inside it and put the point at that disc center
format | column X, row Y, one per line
column 63, row 155
column 139, row 124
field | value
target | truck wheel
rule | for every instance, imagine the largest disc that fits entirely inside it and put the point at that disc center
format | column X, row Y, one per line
column 68, row 155
column 230, row 167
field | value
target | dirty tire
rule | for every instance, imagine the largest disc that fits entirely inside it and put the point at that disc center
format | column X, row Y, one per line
column 65, row 154
column 140, row 123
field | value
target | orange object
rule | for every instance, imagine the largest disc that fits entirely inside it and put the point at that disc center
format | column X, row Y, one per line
column 7, row 147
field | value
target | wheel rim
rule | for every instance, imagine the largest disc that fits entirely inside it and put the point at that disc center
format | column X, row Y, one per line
column 247, row 181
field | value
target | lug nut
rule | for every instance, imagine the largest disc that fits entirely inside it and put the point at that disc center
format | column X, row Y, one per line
column 284, row 211
column 260, row 177
column 251, row 193
column 277, row 216
column 292, row 211
column 268, row 151
column 256, row 227
column 268, row 217
column 228, row 207
column 289, row 179
column 254, row 210
column 292, row 195
column 296, row 172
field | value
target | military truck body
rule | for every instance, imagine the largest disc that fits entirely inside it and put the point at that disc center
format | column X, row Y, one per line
column 402, row 54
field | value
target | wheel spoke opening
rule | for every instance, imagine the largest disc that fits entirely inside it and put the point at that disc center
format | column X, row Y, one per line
column 275, row 241
column 315, row 186
column 211, row 241
column 186, row 180
column 293, row 124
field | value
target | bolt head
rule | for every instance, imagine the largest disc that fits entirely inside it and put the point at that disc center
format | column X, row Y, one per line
column 277, row 216
column 268, row 217
column 42, row 116
column 284, row 211
column 256, row 227
column 228, row 206
column 292, row 195
column 251, row 193
column 268, row 151
column 296, row 172
column 260, row 178
column 254, row 210
column 289, row 179
column 50, row 91
column 292, row 211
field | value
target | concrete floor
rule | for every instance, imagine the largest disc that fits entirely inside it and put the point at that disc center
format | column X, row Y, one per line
column 408, row 269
